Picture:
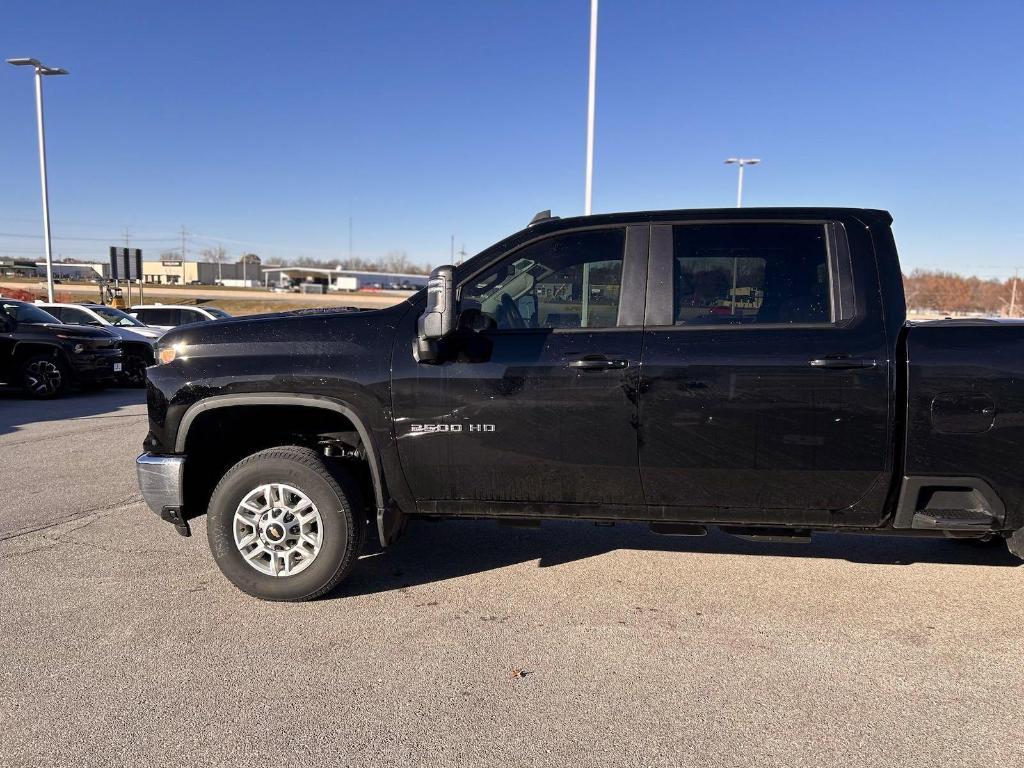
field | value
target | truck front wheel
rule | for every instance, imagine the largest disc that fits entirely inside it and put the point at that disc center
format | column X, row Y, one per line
column 283, row 526
column 43, row 376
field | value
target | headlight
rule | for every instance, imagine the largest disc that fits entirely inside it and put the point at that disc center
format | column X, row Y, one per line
column 169, row 354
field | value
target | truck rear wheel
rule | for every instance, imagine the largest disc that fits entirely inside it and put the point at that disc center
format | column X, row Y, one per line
column 283, row 526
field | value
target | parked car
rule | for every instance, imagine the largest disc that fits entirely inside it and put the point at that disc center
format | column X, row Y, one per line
column 508, row 389
column 44, row 356
column 167, row 316
column 138, row 340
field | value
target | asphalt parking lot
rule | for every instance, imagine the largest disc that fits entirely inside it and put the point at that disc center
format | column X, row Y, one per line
column 123, row 645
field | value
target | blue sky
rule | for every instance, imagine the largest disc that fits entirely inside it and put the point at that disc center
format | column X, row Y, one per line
column 267, row 125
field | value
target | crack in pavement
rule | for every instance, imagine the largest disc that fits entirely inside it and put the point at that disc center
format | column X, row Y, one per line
column 98, row 511
column 61, row 435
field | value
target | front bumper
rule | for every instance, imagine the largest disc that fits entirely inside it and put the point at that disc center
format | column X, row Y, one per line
column 161, row 481
column 97, row 365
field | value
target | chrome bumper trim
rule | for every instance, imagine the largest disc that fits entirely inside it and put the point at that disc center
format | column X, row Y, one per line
column 160, row 480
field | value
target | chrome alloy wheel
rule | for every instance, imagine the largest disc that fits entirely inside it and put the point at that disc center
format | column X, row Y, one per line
column 43, row 377
column 278, row 530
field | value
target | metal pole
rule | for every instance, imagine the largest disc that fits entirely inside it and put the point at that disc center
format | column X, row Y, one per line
column 591, row 92
column 1013, row 294
column 739, row 189
column 46, row 195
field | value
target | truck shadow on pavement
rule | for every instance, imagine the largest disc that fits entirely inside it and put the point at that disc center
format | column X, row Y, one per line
column 437, row 551
column 17, row 411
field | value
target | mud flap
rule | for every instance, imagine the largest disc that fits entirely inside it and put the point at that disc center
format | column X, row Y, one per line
column 390, row 524
column 1015, row 543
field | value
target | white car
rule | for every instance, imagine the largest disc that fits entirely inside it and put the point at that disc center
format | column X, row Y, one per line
column 167, row 316
column 99, row 314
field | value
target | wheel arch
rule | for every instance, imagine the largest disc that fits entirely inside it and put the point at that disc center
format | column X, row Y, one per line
column 23, row 349
column 217, row 402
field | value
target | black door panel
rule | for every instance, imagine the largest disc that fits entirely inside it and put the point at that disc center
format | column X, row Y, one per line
column 766, row 381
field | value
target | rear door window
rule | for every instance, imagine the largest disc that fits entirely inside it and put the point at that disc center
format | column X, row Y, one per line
column 751, row 274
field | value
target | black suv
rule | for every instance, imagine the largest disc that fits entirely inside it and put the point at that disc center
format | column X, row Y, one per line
column 43, row 356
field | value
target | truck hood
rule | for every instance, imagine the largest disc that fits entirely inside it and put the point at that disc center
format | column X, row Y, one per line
column 74, row 331
column 297, row 326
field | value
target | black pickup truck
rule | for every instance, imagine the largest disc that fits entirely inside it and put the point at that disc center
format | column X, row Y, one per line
column 751, row 369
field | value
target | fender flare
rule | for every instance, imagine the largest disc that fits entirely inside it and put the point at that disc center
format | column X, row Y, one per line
column 53, row 346
column 307, row 401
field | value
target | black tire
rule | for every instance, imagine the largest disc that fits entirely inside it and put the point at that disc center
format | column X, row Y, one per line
column 336, row 497
column 43, row 376
column 134, row 371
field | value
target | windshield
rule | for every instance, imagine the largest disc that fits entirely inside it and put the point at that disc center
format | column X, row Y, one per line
column 26, row 313
column 116, row 316
column 220, row 313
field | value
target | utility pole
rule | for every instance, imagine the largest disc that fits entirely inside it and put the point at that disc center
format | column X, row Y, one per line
column 741, row 162
column 184, row 252
column 127, row 237
column 41, row 71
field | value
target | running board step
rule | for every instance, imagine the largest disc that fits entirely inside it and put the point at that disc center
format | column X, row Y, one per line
column 953, row 520
column 779, row 535
column 679, row 529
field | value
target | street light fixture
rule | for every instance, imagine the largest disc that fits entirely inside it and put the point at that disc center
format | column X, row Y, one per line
column 41, row 71
column 741, row 162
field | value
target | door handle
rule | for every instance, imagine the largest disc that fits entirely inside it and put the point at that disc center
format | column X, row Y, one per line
column 842, row 363
column 597, row 363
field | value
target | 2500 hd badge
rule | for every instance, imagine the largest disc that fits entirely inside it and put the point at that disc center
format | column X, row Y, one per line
column 422, row 428
column 751, row 369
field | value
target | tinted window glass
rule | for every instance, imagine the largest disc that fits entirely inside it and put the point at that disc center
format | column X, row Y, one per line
column 115, row 316
column 158, row 316
column 566, row 281
column 26, row 313
column 739, row 274
column 188, row 316
column 75, row 316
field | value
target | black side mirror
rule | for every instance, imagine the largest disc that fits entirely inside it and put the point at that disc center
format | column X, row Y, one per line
column 7, row 323
column 438, row 318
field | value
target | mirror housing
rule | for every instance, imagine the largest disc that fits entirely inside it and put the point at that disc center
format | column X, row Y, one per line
column 7, row 323
column 438, row 318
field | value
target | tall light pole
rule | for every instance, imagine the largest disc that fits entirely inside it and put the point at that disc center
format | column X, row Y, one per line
column 591, row 91
column 589, row 189
column 741, row 162
column 41, row 71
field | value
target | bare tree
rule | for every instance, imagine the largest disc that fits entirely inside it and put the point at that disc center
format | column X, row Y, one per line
column 217, row 256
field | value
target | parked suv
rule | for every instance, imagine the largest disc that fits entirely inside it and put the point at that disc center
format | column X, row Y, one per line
column 750, row 369
column 44, row 356
column 167, row 316
column 138, row 340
